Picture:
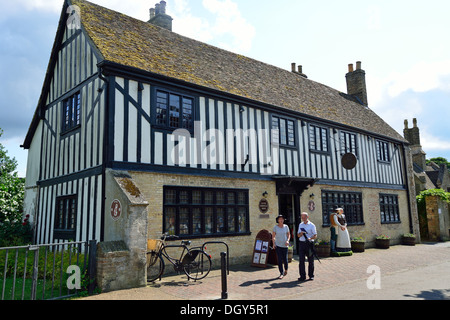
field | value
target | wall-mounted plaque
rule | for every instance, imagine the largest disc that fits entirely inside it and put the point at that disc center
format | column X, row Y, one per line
column 263, row 205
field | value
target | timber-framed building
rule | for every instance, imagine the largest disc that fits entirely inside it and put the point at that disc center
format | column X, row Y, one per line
column 218, row 144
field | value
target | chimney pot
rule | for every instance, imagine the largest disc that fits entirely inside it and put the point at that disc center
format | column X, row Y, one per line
column 300, row 69
column 350, row 67
column 152, row 13
column 415, row 123
column 358, row 65
column 406, row 124
column 162, row 7
column 293, row 66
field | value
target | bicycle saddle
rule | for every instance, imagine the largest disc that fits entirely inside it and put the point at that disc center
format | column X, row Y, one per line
column 186, row 242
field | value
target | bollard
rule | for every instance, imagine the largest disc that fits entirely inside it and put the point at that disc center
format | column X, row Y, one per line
column 223, row 256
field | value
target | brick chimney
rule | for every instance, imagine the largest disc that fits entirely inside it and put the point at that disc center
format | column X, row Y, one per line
column 159, row 18
column 356, row 83
column 413, row 136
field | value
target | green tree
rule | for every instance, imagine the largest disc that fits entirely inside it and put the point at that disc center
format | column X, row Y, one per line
column 439, row 161
column 13, row 229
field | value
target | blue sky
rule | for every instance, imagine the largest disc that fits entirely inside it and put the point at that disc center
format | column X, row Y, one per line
column 403, row 46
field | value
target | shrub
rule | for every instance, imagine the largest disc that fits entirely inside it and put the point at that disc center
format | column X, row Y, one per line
column 15, row 233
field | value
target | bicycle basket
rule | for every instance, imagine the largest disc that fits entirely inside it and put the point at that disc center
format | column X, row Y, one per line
column 154, row 245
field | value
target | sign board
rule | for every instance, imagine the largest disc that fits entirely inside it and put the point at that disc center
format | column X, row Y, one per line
column 349, row 161
column 261, row 249
column 263, row 205
column 116, row 210
column 311, row 206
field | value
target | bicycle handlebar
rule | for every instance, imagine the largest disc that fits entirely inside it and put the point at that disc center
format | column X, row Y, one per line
column 169, row 237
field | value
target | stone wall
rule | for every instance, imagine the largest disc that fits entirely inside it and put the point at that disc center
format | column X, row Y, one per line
column 121, row 258
column 438, row 219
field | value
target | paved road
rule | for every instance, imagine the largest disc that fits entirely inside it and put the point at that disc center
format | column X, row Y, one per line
column 420, row 272
column 431, row 282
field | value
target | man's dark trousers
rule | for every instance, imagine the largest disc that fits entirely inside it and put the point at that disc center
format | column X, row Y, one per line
column 304, row 251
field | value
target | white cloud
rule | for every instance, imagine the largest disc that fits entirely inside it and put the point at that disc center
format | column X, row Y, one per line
column 422, row 77
column 227, row 28
column 31, row 5
column 187, row 24
column 432, row 142
column 229, row 21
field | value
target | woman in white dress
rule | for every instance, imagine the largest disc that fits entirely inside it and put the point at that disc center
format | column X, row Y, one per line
column 340, row 225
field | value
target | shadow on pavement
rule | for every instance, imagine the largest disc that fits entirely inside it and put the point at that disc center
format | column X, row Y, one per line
column 434, row 294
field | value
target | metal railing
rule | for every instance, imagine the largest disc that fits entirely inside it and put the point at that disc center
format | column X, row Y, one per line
column 48, row 271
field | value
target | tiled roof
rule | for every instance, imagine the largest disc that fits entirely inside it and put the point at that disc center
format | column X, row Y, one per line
column 127, row 41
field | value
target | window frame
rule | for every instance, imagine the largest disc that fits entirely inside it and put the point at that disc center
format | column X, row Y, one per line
column 354, row 212
column 343, row 142
column 393, row 208
column 278, row 139
column 61, row 229
column 68, row 122
column 204, row 207
column 383, row 152
column 181, row 111
column 327, row 134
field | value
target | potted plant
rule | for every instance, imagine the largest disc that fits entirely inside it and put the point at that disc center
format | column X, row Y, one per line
column 290, row 253
column 409, row 239
column 382, row 241
column 358, row 244
column 323, row 248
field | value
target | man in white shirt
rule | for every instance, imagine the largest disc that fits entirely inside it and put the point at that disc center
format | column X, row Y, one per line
column 307, row 233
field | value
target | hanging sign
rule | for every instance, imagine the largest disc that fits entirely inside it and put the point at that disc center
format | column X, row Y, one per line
column 349, row 161
column 116, row 210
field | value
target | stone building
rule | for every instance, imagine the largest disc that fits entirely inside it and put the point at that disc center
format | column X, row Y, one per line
column 435, row 219
column 133, row 117
column 426, row 176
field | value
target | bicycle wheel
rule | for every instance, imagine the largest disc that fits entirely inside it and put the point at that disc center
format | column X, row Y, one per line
column 196, row 264
column 155, row 266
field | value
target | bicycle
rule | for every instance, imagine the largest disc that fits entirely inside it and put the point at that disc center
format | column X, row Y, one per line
column 195, row 262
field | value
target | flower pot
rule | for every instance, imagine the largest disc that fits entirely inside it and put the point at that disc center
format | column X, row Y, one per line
column 323, row 250
column 290, row 254
column 358, row 246
column 382, row 243
column 409, row 241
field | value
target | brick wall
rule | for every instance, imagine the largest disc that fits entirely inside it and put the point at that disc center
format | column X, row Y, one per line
column 371, row 211
column 241, row 247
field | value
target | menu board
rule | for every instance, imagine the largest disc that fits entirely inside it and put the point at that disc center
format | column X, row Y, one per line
column 261, row 249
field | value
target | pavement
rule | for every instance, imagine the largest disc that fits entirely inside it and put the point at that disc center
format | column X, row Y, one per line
column 399, row 273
